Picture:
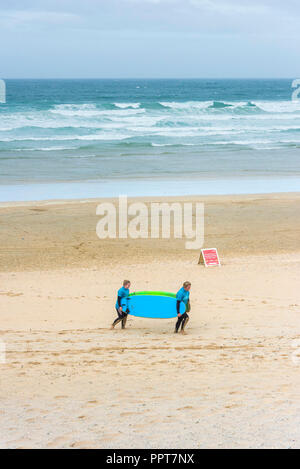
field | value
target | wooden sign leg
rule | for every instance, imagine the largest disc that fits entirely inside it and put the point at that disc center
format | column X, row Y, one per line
column 201, row 258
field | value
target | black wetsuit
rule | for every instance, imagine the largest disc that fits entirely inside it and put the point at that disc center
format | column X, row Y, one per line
column 181, row 321
column 122, row 316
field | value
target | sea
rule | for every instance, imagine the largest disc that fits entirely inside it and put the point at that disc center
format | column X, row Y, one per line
column 72, row 139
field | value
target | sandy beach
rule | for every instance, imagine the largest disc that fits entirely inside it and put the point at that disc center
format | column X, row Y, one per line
column 69, row 382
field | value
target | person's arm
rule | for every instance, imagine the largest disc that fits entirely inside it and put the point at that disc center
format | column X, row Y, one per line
column 179, row 300
column 120, row 304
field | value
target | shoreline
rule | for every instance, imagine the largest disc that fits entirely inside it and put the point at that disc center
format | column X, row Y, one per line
column 149, row 198
column 178, row 187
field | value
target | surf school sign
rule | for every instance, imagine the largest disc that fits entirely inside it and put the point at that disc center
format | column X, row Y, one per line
column 209, row 257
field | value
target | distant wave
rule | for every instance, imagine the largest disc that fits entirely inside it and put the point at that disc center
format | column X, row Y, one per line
column 127, row 105
column 219, row 105
column 173, row 144
column 185, row 105
column 152, row 123
column 88, row 111
column 210, row 106
column 279, row 107
column 70, row 138
column 54, row 148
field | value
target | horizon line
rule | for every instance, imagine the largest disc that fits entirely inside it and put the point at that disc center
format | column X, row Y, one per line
column 148, row 78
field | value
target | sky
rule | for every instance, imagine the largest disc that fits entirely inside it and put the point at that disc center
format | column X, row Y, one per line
column 149, row 39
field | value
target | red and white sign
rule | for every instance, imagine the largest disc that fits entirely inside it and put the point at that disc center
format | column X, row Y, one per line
column 209, row 257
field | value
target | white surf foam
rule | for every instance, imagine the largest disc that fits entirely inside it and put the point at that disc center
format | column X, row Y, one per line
column 127, row 105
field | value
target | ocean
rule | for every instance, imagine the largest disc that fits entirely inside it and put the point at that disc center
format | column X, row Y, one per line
column 97, row 138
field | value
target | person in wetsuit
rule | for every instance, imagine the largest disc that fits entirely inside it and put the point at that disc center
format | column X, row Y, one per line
column 183, row 295
column 122, row 315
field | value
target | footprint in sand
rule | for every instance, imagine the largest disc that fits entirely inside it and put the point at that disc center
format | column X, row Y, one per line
column 60, row 441
column 85, row 444
column 108, row 438
column 10, row 293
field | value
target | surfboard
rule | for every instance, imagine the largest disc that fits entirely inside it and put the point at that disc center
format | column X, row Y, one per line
column 155, row 293
column 152, row 305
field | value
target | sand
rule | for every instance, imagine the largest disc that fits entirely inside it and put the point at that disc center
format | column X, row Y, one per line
column 69, row 382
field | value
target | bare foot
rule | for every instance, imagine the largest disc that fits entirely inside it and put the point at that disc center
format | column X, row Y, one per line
column 183, row 332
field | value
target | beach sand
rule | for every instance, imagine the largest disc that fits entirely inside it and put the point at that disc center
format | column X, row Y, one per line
column 232, row 382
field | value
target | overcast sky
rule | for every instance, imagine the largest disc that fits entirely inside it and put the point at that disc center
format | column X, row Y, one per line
column 149, row 38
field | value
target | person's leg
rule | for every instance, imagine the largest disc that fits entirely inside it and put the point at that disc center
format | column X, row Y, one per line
column 117, row 320
column 184, row 322
column 124, row 320
column 179, row 321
